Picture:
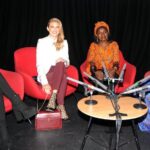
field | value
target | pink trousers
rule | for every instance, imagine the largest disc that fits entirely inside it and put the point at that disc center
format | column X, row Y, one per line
column 57, row 79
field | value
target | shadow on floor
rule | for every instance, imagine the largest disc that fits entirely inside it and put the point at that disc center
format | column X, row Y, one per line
column 25, row 137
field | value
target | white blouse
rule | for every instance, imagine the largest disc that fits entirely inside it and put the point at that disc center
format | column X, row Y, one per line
column 46, row 56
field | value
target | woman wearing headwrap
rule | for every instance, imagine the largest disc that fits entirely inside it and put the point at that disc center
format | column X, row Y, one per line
column 102, row 50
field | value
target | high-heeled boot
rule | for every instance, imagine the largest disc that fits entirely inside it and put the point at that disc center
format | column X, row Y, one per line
column 63, row 112
column 52, row 102
column 21, row 110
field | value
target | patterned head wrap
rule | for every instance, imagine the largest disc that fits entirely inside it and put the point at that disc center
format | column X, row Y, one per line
column 100, row 24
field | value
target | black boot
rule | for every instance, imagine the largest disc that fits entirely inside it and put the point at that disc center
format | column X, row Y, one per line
column 21, row 110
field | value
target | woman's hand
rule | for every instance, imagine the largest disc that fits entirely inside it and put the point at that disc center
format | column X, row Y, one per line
column 46, row 88
column 111, row 73
column 60, row 60
column 99, row 75
column 63, row 60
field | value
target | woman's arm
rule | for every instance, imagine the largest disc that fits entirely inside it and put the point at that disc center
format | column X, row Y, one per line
column 40, row 63
column 64, row 54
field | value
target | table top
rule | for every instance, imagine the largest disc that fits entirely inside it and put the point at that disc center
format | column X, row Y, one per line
column 103, row 107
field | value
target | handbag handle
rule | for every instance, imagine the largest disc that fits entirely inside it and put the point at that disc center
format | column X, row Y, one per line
column 38, row 109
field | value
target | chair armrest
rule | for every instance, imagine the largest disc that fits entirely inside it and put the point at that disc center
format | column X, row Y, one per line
column 72, row 72
column 14, row 80
column 130, row 74
column 82, row 70
column 31, row 86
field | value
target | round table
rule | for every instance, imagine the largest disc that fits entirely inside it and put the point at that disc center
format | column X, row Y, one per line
column 103, row 108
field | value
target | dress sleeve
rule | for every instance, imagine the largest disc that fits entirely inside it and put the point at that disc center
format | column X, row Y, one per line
column 39, row 63
column 65, row 54
column 90, row 57
column 116, row 52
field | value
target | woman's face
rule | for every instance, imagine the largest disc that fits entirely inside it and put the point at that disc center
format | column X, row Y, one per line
column 53, row 29
column 102, row 34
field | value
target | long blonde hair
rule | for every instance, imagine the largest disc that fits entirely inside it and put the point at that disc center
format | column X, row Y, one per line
column 60, row 39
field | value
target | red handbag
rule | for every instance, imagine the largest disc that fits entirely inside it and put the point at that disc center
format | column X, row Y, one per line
column 48, row 120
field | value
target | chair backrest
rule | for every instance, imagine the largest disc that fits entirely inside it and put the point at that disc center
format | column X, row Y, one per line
column 25, row 60
column 25, row 64
column 121, row 60
column 130, row 71
column 147, row 74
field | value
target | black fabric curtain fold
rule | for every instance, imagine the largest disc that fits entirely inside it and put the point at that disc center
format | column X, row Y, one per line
column 24, row 21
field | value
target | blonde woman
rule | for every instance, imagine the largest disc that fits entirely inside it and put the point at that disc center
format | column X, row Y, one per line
column 52, row 58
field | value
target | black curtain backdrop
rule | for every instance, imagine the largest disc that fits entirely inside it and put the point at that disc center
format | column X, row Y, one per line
column 22, row 22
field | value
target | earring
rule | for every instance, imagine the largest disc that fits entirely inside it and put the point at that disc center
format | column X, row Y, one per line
column 97, row 40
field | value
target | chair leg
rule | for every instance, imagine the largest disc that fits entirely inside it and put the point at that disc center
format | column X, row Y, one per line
column 86, row 134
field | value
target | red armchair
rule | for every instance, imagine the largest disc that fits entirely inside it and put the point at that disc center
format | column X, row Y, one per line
column 25, row 64
column 16, row 82
column 146, row 74
column 129, row 75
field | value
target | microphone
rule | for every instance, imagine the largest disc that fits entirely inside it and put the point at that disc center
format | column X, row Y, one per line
column 146, row 87
column 138, row 83
column 96, row 81
column 122, row 73
column 107, row 75
column 105, row 70
column 87, row 85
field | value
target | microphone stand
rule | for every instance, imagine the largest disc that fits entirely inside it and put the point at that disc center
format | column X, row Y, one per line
column 140, row 105
column 97, row 82
column 141, row 91
column 112, row 96
column 90, row 101
column 114, row 100
column 111, row 81
column 138, row 83
column 91, row 87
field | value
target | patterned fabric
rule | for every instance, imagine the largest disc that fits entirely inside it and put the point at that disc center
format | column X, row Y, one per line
column 145, row 124
column 100, row 24
column 97, row 54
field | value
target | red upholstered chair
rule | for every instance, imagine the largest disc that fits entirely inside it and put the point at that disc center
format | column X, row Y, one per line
column 16, row 82
column 146, row 74
column 129, row 75
column 25, row 64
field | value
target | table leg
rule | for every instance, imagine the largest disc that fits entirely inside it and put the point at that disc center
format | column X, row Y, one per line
column 136, row 139
column 86, row 134
column 135, row 135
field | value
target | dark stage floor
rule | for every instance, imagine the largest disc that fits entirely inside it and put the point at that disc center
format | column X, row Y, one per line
column 25, row 137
